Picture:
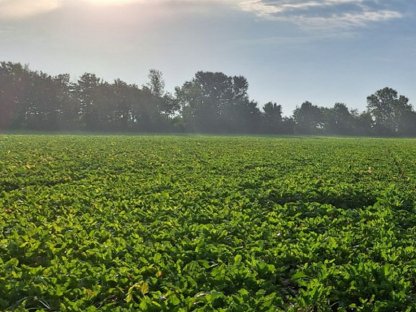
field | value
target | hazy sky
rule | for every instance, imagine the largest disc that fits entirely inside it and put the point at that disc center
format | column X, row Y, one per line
column 324, row 51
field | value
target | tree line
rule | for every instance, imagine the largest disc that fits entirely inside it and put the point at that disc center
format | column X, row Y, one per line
column 209, row 103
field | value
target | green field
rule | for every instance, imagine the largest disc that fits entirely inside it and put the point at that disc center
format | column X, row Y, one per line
column 152, row 223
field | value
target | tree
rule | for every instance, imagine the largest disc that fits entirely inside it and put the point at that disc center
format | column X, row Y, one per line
column 408, row 124
column 362, row 123
column 14, row 83
column 210, row 102
column 338, row 120
column 215, row 102
column 87, row 94
column 67, row 103
column 388, row 111
column 156, row 83
column 34, row 100
column 120, row 108
column 165, row 102
column 42, row 107
column 272, row 118
column 145, row 113
column 308, row 119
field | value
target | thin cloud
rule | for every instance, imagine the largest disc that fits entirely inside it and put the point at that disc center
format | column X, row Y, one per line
column 16, row 9
column 323, row 13
column 153, row 2
column 261, row 8
column 21, row 9
column 305, row 13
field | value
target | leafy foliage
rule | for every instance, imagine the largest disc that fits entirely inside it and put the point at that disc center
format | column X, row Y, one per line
column 211, row 102
column 119, row 223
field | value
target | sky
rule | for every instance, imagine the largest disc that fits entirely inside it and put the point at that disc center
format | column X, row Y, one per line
column 323, row 51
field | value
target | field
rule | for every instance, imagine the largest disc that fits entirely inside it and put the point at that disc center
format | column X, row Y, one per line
column 153, row 223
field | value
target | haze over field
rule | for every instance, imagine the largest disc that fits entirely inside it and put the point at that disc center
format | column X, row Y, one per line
column 207, row 155
column 291, row 51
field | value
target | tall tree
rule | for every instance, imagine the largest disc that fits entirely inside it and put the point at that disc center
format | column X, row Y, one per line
column 165, row 102
column 87, row 93
column 272, row 118
column 156, row 83
column 388, row 111
column 14, row 85
column 67, row 103
column 215, row 102
column 121, row 104
column 42, row 111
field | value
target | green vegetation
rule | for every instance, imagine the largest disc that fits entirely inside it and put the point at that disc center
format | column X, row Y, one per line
column 210, row 103
column 119, row 223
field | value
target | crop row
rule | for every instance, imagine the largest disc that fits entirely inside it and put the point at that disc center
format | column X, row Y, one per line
column 152, row 223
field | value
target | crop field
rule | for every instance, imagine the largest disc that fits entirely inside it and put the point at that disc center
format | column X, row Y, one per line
column 188, row 223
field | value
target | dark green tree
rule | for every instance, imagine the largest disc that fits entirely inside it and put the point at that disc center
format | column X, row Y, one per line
column 68, row 106
column 156, row 83
column 308, row 119
column 87, row 92
column 408, row 124
column 388, row 111
column 15, row 82
column 338, row 120
column 215, row 102
column 272, row 121
column 119, row 114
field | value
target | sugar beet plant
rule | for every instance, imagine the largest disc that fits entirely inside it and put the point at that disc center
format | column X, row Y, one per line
column 119, row 223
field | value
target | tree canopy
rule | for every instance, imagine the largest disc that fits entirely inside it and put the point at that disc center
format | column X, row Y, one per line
column 211, row 102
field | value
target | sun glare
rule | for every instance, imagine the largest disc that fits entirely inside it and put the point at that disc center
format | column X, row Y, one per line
column 112, row 2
